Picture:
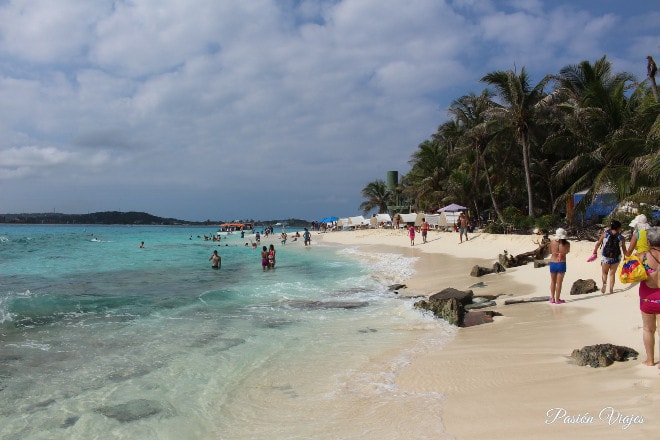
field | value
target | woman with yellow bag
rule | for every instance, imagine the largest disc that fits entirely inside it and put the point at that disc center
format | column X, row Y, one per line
column 639, row 242
column 634, row 264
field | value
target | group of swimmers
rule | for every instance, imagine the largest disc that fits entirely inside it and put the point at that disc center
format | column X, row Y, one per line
column 267, row 252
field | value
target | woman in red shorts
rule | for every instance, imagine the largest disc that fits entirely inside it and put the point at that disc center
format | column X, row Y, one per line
column 649, row 295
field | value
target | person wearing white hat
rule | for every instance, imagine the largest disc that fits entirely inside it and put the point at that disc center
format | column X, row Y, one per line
column 558, row 247
column 639, row 243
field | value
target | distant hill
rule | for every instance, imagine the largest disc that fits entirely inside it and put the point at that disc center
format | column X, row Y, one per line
column 100, row 218
column 124, row 218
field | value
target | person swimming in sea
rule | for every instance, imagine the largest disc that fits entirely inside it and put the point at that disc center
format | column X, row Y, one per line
column 217, row 260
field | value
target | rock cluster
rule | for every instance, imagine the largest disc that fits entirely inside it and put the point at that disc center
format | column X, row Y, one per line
column 478, row 271
column 602, row 355
column 452, row 304
column 581, row 287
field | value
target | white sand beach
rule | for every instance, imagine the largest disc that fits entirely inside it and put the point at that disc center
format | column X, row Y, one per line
column 514, row 378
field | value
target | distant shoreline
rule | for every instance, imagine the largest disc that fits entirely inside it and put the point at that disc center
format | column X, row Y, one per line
column 125, row 218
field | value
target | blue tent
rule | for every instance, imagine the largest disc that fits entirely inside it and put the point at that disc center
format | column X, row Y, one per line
column 603, row 204
column 328, row 219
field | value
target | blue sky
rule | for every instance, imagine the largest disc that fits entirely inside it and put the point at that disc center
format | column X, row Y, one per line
column 215, row 109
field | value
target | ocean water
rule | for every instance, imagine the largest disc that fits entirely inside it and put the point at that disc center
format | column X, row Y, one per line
column 101, row 339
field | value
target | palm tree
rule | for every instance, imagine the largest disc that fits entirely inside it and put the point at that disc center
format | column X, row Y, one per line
column 470, row 112
column 519, row 110
column 376, row 195
column 610, row 133
column 425, row 183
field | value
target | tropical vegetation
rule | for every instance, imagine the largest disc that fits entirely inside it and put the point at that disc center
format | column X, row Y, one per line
column 521, row 149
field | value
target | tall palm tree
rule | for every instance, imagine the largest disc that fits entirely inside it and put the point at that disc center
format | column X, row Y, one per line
column 376, row 195
column 610, row 131
column 519, row 110
column 426, row 181
column 470, row 113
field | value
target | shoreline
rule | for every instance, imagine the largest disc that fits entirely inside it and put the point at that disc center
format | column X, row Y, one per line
column 514, row 378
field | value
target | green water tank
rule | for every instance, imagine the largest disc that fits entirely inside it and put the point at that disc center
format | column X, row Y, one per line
column 392, row 180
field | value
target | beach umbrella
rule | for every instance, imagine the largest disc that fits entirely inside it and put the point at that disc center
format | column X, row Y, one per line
column 329, row 219
column 452, row 208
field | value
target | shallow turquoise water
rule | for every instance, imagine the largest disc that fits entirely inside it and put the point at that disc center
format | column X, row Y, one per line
column 102, row 339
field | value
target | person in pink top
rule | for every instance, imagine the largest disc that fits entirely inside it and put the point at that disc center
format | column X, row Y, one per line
column 411, row 234
column 649, row 295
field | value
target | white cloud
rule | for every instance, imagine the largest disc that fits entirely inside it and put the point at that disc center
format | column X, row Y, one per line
column 47, row 32
column 30, row 161
column 246, row 102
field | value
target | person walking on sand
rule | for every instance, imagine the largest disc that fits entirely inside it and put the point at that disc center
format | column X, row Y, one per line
column 558, row 247
column 614, row 246
column 463, row 226
column 425, row 229
column 411, row 234
column 217, row 261
column 264, row 258
column 649, row 296
column 639, row 243
column 307, row 237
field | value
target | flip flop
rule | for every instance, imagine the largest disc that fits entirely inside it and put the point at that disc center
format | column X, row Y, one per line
column 560, row 301
column 552, row 301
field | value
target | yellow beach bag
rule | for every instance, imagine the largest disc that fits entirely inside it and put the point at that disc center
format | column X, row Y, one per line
column 632, row 270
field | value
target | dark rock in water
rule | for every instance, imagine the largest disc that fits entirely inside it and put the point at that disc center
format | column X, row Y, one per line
column 227, row 343
column 368, row 330
column 302, row 304
column 70, row 421
column 395, row 287
column 602, row 355
column 481, row 317
column 278, row 323
column 128, row 373
column 463, row 296
column 480, row 305
column 448, row 304
column 133, row 410
column 479, row 284
column 581, row 287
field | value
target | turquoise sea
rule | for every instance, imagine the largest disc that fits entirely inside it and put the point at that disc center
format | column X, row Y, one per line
column 100, row 339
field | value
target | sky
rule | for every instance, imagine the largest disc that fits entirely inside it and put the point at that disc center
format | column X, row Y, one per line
column 262, row 109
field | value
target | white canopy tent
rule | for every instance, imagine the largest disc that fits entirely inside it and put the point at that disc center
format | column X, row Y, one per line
column 380, row 220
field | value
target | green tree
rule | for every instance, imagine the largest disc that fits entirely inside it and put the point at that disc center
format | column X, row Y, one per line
column 609, row 131
column 425, row 183
column 377, row 197
column 470, row 113
column 518, row 109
